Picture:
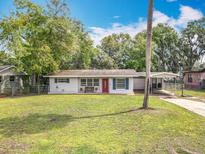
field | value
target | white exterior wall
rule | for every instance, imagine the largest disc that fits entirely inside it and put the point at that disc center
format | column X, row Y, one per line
column 73, row 87
column 139, row 83
column 63, row 88
column 5, row 84
column 121, row 91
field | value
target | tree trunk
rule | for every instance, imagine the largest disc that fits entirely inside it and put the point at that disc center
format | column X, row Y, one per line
column 33, row 79
column 38, row 84
column 148, row 54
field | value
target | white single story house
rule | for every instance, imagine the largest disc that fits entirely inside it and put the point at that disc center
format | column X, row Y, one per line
column 92, row 81
column 115, row 81
column 10, row 79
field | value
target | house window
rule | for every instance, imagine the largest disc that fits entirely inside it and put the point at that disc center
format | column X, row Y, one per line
column 90, row 82
column 12, row 78
column 62, row 80
column 83, row 82
column 120, row 83
column 96, row 82
column 0, row 78
column 190, row 78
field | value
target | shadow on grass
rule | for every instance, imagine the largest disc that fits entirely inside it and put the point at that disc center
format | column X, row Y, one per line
column 37, row 123
column 32, row 124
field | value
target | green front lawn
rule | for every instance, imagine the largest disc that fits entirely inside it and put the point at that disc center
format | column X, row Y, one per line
column 193, row 93
column 97, row 124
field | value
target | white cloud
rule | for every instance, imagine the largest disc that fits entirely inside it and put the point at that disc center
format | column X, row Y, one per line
column 159, row 17
column 186, row 14
column 171, row 1
column 98, row 33
column 116, row 17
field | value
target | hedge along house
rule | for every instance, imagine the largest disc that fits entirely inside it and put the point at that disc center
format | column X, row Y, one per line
column 92, row 81
column 10, row 80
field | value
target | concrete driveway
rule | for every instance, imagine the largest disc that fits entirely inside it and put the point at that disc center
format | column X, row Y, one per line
column 194, row 106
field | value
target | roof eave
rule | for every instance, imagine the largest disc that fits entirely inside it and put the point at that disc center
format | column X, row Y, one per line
column 7, row 68
column 86, row 76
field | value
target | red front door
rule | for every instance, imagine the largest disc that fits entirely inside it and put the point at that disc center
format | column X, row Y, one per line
column 105, row 88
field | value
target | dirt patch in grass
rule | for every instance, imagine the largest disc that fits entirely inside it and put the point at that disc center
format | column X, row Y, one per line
column 181, row 145
column 12, row 146
column 185, row 151
column 149, row 108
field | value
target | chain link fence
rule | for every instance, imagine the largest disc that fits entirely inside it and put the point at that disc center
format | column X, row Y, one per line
column 26, row 90
column 172, row 86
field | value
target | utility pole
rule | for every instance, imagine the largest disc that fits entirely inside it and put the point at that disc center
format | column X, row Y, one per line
column 148, row 54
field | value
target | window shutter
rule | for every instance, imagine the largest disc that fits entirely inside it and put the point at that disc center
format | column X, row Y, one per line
column 68, row 80
column 127, row 83
column 114, row 83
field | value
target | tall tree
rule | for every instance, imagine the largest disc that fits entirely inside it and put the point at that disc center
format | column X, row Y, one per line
column 148, row 54
column 117, row 47
column 57, row 8
column 72, row 45
column 199, row 65
column 192, row 43
column 166, row 50
column 102, row 60
column 22, row 35
column 4, row 58
column 83, row 56
column 136, row 54
column 43, row 40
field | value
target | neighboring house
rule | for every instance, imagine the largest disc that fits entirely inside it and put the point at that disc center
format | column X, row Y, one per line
column 194, row 79
column 10, row 79
column 120, row 81
column 92, row 81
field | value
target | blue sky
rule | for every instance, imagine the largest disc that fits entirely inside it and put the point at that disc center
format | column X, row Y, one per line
column 103, row 17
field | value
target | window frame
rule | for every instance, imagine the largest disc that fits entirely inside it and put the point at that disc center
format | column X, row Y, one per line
column 85, row 83
column 122, row 83
column 190, row 78
column 62, row 80
column 12, row 77
column 96, row 83
column 90, row 82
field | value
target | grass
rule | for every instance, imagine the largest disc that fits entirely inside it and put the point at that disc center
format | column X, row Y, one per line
column 86, row 124
column 194, row 93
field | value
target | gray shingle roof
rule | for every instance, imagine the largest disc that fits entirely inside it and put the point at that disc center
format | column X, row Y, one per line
column 196, row 71
column 5, row 67
column 108, row 73
column 94, row 73
column 158, row 74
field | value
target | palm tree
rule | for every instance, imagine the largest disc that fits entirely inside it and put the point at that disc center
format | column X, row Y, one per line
column 148, row 54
